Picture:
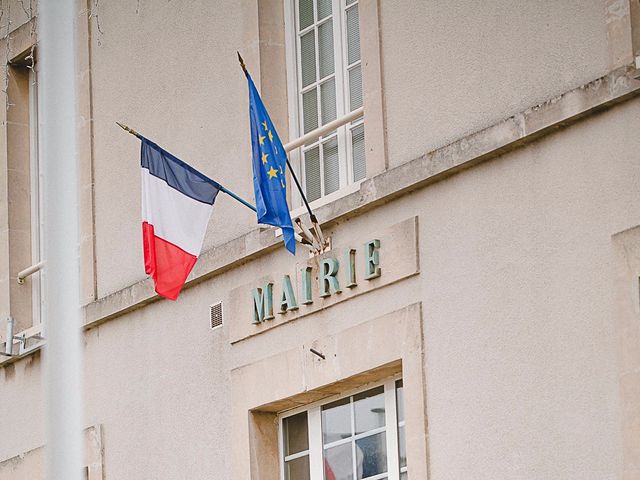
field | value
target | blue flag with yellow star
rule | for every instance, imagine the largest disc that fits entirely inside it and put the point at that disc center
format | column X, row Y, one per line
column 269, row 164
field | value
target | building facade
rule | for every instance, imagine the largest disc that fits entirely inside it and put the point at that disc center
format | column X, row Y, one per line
column 477, row 314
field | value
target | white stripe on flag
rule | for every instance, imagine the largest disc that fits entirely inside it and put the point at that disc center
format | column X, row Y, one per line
column 175, row 217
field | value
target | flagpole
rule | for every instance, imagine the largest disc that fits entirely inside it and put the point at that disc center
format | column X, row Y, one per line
column 313, row 218
column 222, row 188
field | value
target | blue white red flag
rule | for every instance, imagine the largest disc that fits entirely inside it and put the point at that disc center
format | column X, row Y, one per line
column 177, row 201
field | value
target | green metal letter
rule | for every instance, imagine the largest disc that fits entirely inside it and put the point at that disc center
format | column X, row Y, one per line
column 288, row 299
column 372, row 259
column 328, row 281
column 307, row 297
column 350, row 267
column 263, row 303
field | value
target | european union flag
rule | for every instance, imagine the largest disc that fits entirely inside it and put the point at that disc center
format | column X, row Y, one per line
column 269, row 164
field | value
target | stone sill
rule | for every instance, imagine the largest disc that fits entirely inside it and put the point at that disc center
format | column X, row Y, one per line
column 527, row 126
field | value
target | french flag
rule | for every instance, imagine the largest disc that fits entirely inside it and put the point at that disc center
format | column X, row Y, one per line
column 177, row 201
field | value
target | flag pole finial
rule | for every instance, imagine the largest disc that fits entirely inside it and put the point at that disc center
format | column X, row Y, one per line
column 128, row 129
column 244, row 68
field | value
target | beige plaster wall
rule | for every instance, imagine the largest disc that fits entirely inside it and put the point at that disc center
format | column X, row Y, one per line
column 22, row 411
column 168, row 69
column 453, row 67
column 520, row 334
column 516, row 255
column 517, row 307
column 16, row 13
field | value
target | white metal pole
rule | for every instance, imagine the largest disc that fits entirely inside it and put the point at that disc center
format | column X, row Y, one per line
column 61, row 240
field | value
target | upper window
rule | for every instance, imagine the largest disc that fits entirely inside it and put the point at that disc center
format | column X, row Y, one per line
column 23, row 174
column 360, row 436
column 325, row 83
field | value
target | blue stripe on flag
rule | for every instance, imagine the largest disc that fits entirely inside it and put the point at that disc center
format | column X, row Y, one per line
column 178, row 174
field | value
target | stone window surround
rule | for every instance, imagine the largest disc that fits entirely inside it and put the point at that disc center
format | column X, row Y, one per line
column 262, row 389
column 626, row 315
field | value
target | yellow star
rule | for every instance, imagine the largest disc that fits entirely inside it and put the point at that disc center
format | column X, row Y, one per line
column 261, row 139
column 264, row 124
column 272, row 172
column 264, row 157
column 270, row 136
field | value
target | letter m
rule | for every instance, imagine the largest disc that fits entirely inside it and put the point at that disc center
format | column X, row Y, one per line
column 263, row 303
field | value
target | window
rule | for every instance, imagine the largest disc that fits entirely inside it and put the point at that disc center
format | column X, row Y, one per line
column 360, row 436
column 325, row 83
column 23, row 175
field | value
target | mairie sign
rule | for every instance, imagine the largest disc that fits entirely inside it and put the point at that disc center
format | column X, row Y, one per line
column 329, row 282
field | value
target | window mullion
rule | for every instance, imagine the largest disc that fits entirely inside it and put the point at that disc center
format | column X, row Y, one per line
column 338, row 53
column 321, row 155
column 316, row 452
column 343, row 156
column 291, row 51
column 391, row 418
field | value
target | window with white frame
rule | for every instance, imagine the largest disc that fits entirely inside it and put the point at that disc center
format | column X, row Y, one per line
column 359, row 436
column 25, row 205
column 325, row 83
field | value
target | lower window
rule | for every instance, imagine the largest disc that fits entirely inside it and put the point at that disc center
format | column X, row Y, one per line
column 358, row 436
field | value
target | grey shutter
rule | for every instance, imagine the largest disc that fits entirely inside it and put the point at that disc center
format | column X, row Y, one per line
column 353, row 35
column 328, row 101
column 331, row 166
column 308, row 58
column 305, row 8
column 312, row 174
column 358, row 153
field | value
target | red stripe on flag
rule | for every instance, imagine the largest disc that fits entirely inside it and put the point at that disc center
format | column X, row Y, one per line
column 168, row 265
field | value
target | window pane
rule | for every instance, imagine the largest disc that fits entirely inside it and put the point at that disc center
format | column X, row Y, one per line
column 402, row 447
column 312, row 174
column 369, row 410
column 325, row 48
column 306, row 13
column 324, row 8
column 336, row 421
column 349, row 2
column 328, row 100
column 355, row 87
column 404, row 476
column 308, row 58
column 400, row 400
column 331, row 166
column 358, row 155
column 353, row 35
column 296, row 433
column 297, row 469
column 338, row 462
column 371, row 455
column 310, row 110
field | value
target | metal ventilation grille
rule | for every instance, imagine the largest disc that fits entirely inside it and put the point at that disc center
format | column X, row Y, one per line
column 215, row 315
